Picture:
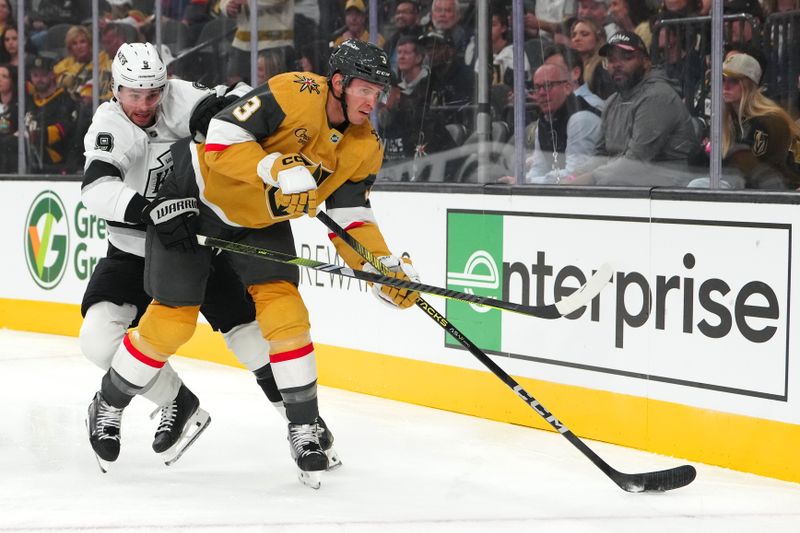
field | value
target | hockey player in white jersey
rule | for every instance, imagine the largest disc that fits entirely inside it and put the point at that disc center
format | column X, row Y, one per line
column 127, row 158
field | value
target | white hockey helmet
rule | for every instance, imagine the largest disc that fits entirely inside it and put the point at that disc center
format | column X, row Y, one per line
column 137, row 66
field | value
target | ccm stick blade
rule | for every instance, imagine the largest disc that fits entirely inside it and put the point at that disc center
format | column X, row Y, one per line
column 574, row 301
column 673, row 478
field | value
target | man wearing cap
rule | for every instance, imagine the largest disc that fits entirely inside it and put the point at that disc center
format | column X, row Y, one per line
column 647, row 132
column 355, row 22
column 49, row 121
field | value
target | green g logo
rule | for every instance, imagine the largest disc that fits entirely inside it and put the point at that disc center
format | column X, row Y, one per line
column 46, row 240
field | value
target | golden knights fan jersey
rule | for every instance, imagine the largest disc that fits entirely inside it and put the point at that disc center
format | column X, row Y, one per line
column 286, row 115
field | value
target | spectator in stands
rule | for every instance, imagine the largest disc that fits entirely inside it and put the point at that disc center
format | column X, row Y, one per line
column 743, row 31
column 74, row 72
column 268, row 64
column 502, row 49
column 406, row 23
column 111, row 38
column 587, row 39
column 550, row 18
column 6, row 15
column 406, row 126
column 760, row 141
column 122, row 12
column 632, row 15
column 451, row 81
column 355, row 22
column 49, row 120
column 410, row 64
column 567, row 131
column 74, row 75
column 8, row 119
column 9, row 46
column 314, row 57
column 597, row 10
column 446, row 19
column 558, row 54
column 275, row 32
column 647, row 132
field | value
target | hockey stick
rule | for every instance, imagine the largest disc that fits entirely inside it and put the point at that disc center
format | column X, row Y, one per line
column 565, row 306
column 659, row 481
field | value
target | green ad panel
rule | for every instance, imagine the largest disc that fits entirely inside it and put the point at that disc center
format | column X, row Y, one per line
column 475, row 265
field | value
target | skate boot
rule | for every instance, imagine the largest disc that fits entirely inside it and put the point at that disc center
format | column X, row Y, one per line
column 307, row 453
column 326, row 443
column 182, row 421
column 103, row 424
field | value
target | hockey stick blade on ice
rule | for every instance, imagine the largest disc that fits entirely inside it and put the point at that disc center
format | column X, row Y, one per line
column 659, row 481
column 565, row 306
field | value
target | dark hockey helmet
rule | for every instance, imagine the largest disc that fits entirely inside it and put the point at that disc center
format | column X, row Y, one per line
column 359, row 59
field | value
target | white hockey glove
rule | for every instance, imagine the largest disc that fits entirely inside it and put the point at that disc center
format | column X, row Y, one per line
column 398, row 268
column 291, row 185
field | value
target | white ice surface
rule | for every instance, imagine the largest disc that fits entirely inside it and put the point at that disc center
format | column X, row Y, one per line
column 406, row 468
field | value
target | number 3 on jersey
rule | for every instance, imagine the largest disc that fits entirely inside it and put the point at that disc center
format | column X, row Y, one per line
column 246, row 110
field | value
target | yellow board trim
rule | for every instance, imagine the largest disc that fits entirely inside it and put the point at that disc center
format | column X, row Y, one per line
column 763, row 447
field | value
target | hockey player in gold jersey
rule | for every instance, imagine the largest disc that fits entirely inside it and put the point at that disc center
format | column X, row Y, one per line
column 274, row 154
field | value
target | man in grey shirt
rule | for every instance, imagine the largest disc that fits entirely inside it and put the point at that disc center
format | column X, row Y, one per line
column 646, row 130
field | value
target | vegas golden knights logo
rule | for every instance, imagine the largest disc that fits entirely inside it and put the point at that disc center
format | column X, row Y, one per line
column 760, row 141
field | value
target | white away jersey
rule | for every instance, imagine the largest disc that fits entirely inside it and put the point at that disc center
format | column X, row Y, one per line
column 141, row 155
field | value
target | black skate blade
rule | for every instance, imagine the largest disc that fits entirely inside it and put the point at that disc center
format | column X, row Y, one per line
column 198, row 422
column 101, row 463
column 333, row 460
column 310, row 478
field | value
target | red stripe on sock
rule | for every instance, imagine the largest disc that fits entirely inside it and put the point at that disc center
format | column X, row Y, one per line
column 348, row 228
column 139, row 356
column 216, row 147
column 291, row 354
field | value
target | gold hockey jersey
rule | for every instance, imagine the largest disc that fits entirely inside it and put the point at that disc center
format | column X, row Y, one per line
column 288, row 115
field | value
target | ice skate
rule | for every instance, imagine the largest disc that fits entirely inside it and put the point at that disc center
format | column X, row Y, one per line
column 307, row 453
column 182, row 421
column 103, row 424
column 326, row 443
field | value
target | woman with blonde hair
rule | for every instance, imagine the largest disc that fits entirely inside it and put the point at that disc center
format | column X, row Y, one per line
column 759, row 138
column 74, row 72
column 586, row 38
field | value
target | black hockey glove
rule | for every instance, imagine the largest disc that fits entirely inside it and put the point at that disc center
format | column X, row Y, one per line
column 205, row 111
column 175, row 221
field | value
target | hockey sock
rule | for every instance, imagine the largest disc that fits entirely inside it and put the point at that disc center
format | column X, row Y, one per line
column 266, row 380
column 304, row 411
column 111, row 390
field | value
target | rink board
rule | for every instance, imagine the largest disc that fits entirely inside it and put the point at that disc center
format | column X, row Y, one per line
column 687, row 352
